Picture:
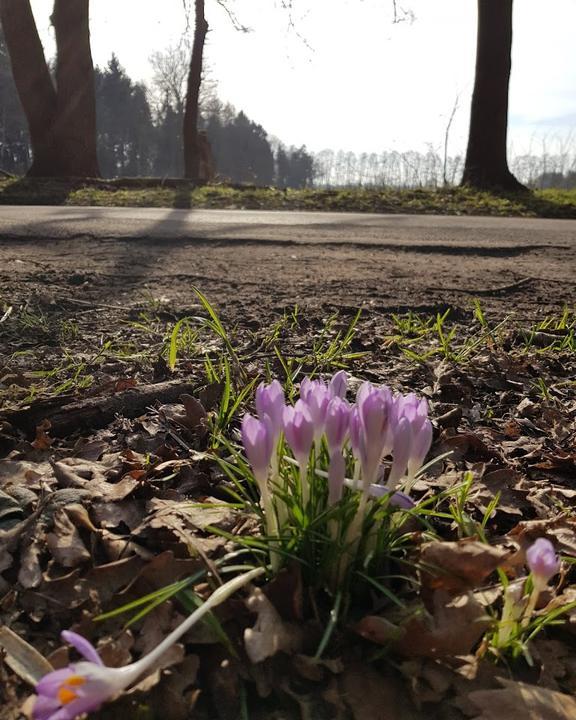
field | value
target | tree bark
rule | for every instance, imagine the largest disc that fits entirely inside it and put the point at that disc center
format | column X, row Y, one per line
column 191, row 111
column 61, row 119
column 31, row 77
column 75, row 126
column 486, row 165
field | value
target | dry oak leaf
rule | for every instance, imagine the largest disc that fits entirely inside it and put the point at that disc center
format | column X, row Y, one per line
column 520, row 700
column 459, row 566
column 270, row 633
column 373, row 695
column 454, row 627
column 65, row 543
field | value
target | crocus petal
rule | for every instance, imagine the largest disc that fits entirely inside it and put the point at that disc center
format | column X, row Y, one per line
column 257, row 438
column 339, row 384
column 372, row 404
column 45, row 707
column 76, row 708
column 542, row 560
column 401, row 452
column 337, row 422
column 397, row 499
column 299, row 429
column 316, row 396
column 422, row 440
column 84, row 647
column 52, row 682
column 270, row 401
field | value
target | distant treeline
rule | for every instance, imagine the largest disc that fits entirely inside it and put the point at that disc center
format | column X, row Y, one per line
column 140, row 134
column 414, row 169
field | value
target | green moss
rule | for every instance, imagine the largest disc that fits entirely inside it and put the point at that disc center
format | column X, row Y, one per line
column 149, row 192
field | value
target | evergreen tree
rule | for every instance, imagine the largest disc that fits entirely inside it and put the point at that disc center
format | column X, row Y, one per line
column 124, row 124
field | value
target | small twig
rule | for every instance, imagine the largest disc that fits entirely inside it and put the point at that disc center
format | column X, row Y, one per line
column 99, row 306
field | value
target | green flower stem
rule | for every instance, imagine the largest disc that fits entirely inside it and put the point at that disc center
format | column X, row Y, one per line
column 531, row 605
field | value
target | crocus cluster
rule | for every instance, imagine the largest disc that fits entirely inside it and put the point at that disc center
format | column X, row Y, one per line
column 84, row 686
column 382, row 437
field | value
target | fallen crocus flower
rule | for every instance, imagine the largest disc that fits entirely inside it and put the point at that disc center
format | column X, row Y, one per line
column 543, row 562
column 84, row 686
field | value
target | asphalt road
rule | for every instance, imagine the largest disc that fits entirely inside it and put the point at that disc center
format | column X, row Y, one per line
column 42, row 222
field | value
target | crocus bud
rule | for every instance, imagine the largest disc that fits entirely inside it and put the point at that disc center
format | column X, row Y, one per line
column 299, row 430
column 270, row 402
column 421, row 442
column 543, row 562
column 373, row 413
column 258, row 441
column 339, row 384
column 316, row 395
column 337, row 423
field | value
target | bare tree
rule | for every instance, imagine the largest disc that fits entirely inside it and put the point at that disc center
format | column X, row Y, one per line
column 170, row 70
column 61, row 118
column 194, row 146
column 486, row 164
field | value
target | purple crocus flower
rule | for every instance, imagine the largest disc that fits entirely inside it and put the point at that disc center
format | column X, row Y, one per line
column 81, row 687
column 258, row 441
column 337, row 423
column 299, row 433
column 543, row 562
column 421, row 442
column 270, row 402
column 316, row 395
column 401, row 452
column 371, row 429
column 84, row 686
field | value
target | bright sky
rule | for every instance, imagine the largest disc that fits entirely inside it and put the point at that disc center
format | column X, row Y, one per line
column 346, row 77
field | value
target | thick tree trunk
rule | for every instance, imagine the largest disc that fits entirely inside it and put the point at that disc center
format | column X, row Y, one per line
column 61, row 120
column 192, row 148
column 75, row 127
column 31, row 77
column 486, row 165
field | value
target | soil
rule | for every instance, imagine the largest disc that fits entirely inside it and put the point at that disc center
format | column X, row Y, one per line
column 263, row 279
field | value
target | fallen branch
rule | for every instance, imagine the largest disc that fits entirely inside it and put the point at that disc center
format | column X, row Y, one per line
column 97, row 412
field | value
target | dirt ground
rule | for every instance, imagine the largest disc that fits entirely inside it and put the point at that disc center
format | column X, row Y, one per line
column 263, row 278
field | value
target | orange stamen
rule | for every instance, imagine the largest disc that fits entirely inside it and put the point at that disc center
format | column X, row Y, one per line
column 76, row 680
column 65, row 695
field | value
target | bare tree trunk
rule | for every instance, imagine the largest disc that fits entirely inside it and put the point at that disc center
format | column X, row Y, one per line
column 75, row 127
column 32, row 78
column 61, row 120
column 191, row 111
column 486, row 165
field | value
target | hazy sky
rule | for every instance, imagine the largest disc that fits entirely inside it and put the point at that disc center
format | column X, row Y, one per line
column 344, row 76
